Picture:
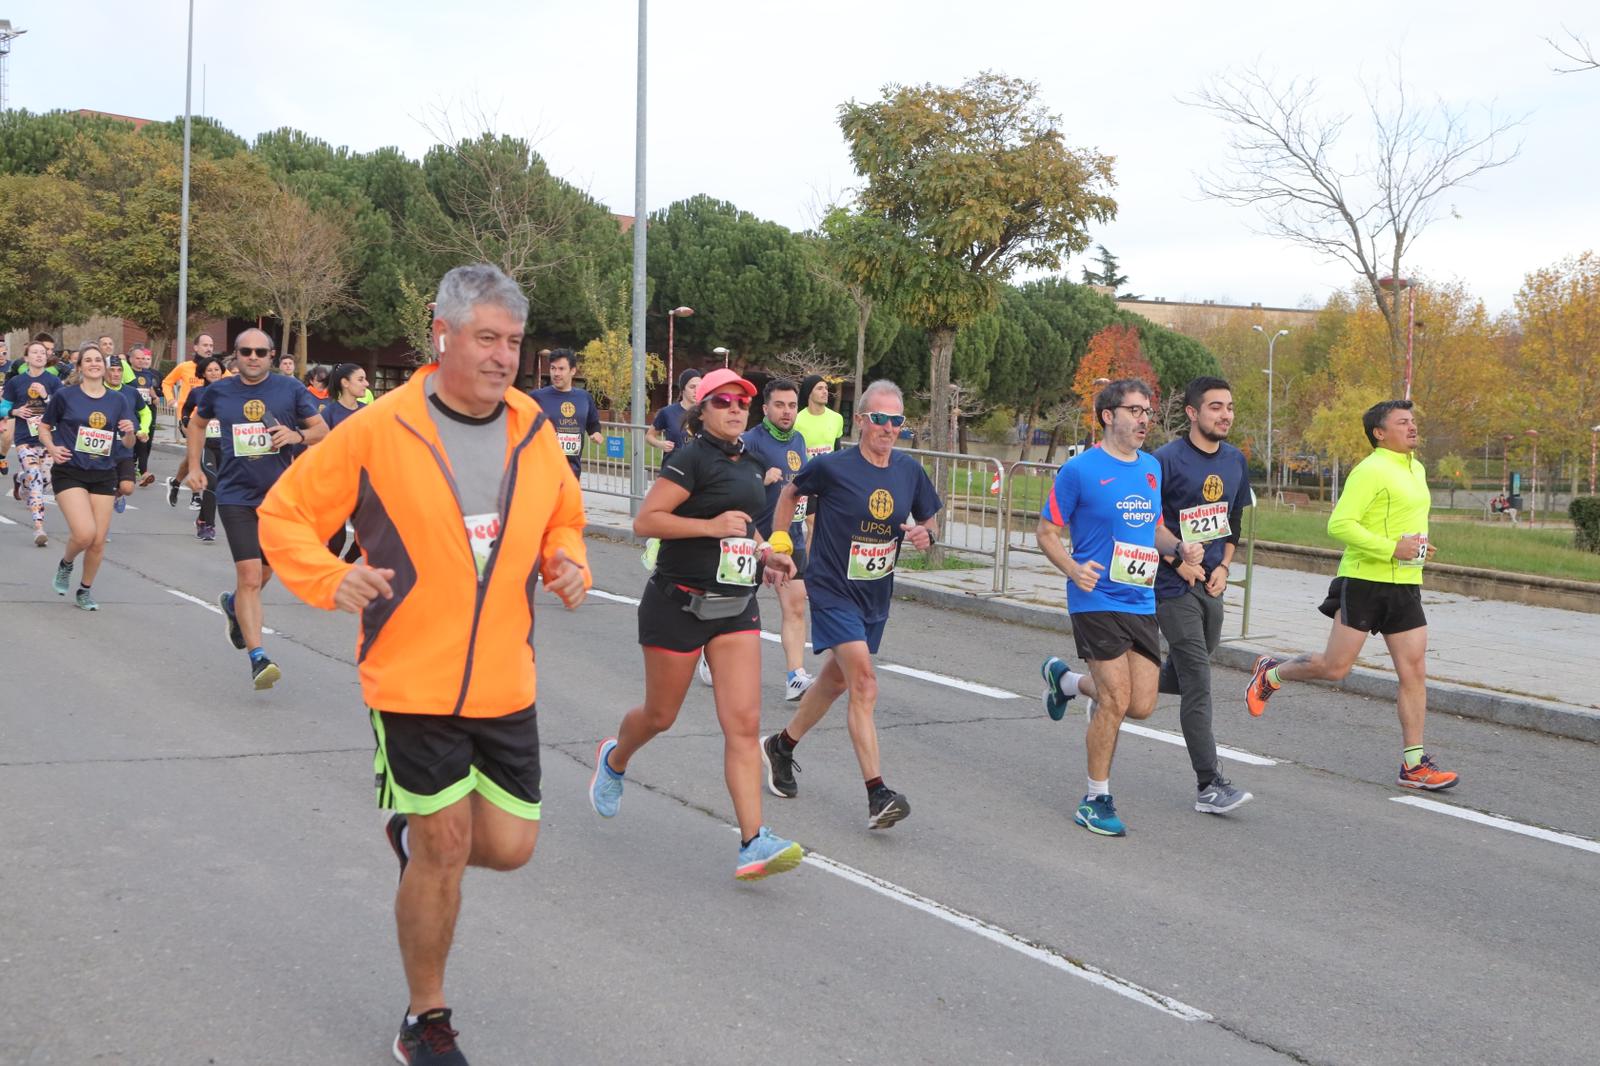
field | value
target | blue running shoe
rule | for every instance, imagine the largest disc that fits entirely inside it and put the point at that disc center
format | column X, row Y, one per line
column 63, row 579
column 1055, row 704
column 1098, row 814
column 605, row 787
column 767, row 855
column 235, row 634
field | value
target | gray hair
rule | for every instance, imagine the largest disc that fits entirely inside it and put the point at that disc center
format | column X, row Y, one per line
column 466, row 287
column 882, row 385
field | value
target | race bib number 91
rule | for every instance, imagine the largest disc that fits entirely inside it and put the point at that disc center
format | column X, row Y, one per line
column 1206, row 521
column 96, row 442
column 737, row 563
column 871, row 562
column 252, row 438
column 1134, row 564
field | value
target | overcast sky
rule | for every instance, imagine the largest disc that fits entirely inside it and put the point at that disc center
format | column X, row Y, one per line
column 744, row 98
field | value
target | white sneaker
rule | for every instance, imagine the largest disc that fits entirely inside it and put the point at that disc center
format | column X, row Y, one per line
column 703, row 671
column 798, row 684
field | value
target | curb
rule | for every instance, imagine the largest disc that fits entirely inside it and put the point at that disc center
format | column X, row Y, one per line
column 1502, row 708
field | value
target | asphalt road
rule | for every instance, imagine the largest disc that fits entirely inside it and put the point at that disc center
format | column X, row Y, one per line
column 194, row 872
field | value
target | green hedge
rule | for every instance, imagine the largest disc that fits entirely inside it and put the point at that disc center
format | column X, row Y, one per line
column 1585, row 513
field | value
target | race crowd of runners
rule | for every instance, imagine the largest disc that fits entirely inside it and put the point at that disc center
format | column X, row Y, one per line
column 457, row 494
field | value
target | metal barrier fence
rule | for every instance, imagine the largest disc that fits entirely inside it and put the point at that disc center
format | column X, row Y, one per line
column 972, row 488
column 1026, row 486
column 608, row 466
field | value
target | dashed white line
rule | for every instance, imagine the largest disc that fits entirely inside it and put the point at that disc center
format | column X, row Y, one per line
column 1005, row 938
column 613, row 597
column 1236, row 754
column 4, row 521
column 213, row 608
column 1497, row 822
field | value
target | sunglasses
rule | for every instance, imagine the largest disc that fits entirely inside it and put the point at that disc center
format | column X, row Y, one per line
column 252, row 351
column 724, row 400
column 879, row 418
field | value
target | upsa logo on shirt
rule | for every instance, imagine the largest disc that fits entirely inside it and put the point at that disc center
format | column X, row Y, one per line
column 881, row 504
column 253, row 410
column 97, row 420
column 1211, row 491
column 794, row 461
column 36, row 391
column 567, row 409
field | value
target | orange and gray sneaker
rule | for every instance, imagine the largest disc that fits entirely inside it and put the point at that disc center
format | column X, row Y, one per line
column 1426, row 775
column 1259, row 690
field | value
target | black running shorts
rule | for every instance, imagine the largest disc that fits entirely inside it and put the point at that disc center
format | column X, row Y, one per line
column 426, row 762
column 1374, row 606
column 125, row 469
column 243, row 531
column 664, row 624
column 1106, row 635
column 95, row 482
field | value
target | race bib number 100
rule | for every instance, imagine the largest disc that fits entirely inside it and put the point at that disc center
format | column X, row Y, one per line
column 571, row 443
column 737, row 563
column 252, row 438
column 871, row 562
column 1134, row 564
column 1206, row 521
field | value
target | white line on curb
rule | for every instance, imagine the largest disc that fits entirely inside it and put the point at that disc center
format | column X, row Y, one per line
column 1497, row 822
column 213, row 608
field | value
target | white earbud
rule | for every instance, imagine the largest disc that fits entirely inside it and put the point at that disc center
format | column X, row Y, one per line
column 441, row 345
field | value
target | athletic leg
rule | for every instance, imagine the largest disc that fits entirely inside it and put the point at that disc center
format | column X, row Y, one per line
column 1333, row 663
column 861, row 680
column 100, row 512
column 819, row 698
column 1114, row 688
column 736, row 664
column 1409, row 651
column 500, row 840
column 80, row 517
column 248, row 574
column 1187, row 623
column 792, row 601
column 666, row 680
column 429, row 898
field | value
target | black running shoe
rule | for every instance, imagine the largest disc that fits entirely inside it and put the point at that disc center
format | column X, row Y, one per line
column 264, row 672
column 235, row 634
column 394, row 829
column 430, row 1042
column 886, row 807
column 172, row 492
column 781, row 768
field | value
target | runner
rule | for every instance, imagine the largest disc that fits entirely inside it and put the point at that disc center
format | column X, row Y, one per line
column 145, row 380
column 91, row 417
column 571, row 410
column 127, row 463
column 261, row 415
column 181, row 378
column 286, row 365
column 1205, row 487
column 1382, row 520
column 781, row 449
column 702, row 595
column 317, row 382
column 666, row 430
column 1110, row 499
column 866, row 500
column 209, row 370
column 346, row 386
column 446, row 657
column 819, row 424
column 25, row 397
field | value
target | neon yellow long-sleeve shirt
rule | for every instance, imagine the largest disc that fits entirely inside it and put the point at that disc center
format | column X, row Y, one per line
column 1385, row 498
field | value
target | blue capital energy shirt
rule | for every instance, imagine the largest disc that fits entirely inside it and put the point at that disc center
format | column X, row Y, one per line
column 1110, row 506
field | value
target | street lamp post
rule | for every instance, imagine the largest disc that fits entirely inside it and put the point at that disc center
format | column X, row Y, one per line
column 1505, row 462
column 1533, row 505
column 183, row 214
column 1394, row 285
column 722, row 352
column 1272, row 342
column 636, row 478
column 672, row 317
column 1594, row 442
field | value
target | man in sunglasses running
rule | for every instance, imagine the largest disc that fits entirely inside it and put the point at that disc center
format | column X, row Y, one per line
column 866, row 501
column 262, row 417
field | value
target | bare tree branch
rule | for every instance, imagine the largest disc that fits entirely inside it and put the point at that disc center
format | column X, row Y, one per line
column 803, row 362
column 1576, row 51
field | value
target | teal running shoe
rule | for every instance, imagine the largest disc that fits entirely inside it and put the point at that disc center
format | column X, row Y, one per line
column 85, row 601
column 1098, row 814
column 767, row 855
column 63, row 578
column 1055, row 702
column 605, row 787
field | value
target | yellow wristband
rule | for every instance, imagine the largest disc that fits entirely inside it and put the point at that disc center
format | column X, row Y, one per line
column 781, row 543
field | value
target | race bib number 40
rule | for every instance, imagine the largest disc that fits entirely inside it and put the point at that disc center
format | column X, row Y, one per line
column 252, row 438
column 571, row 443
column 1134, row 564
column 871, row 562
column 737, row 563
column 96, row 442
column 1206, row 521
column 482, row 532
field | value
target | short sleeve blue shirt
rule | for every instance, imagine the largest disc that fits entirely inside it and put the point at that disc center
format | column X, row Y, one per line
column 244, row 412
column 573, row 413
column 1105, row 501
column 20, row 390
column 859, row 510
column 788, row 456
column 1196, row 485
column 669, row 423
column 86, row 425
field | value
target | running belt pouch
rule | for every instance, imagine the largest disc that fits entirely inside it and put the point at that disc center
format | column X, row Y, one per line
column 710, row 606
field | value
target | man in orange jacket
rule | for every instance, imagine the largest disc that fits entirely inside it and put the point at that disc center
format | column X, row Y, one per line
column 461, row 499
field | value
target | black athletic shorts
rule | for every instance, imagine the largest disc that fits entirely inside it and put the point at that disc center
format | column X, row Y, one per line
column 243, row 531
column 1374, row 606
column 125, row 469
column 1105, row 635
column 663, row 623
column 425, row 762
column 97, row 482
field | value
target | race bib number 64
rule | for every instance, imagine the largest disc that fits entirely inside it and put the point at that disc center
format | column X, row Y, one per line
column 1134, row 564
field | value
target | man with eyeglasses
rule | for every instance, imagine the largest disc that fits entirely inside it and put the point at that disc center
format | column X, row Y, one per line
column 1110, row 499
column 1382, row 519
column 261, row 417
column 866, row 500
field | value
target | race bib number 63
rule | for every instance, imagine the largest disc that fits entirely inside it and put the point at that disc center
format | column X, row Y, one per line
column 871, row 562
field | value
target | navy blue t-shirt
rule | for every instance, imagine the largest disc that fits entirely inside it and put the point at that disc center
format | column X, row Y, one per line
column 20, row 390
column 859, row 509
column 87, row 425
column 574, row 415
column 788, row 456
column 669, row 423
column 149, row 386
column 1203, row 498
column 246, row 413
column 1111, row 506
column 333, row 412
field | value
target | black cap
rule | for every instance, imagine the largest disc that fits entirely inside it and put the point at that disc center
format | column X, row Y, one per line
column 686, row 377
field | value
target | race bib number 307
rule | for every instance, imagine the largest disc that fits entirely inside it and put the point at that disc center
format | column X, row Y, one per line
column 95, row 442
column 1134, row 564
column 1203, row 522
column 251, row 438
column 871, row 562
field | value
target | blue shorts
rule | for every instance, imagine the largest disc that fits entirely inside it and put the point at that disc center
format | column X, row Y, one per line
column 832, row 626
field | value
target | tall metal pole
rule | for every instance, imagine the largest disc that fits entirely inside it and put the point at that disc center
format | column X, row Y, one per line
column 1411, row 328
column 183, row 223
column 1272, row 383
column 636, row 467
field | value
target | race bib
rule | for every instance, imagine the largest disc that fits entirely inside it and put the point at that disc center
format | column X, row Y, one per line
column 1422, row 556
column 1134, row 564
column 33, row 424
column 872, row 562
column 96, row 442
column 571, row 443
column 737, row 563
column 482, row 531
column 1203, row 522
column 800, row 509
column 213, row 430
column 147, row 395
column 252, row 438
column 814, row 450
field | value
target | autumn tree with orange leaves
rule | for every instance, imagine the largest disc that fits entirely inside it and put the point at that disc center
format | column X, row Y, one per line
column 1113, row 353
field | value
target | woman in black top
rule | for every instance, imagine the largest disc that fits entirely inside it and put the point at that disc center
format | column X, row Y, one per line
column 703, row 595
column 208, row 369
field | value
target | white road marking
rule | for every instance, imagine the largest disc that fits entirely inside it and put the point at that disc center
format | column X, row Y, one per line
column 1021, row 945
column 612, row 596
column 951, row 682
column 1497, row 822
column 214, row 609
column 6, row 521
column 1177, row 738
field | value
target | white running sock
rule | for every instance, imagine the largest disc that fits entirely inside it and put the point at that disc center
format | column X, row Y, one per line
column 405, row 840
column 1069, row 684
column 1099, row 788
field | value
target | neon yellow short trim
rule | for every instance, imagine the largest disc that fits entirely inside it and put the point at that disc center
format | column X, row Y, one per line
column 391, row 797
